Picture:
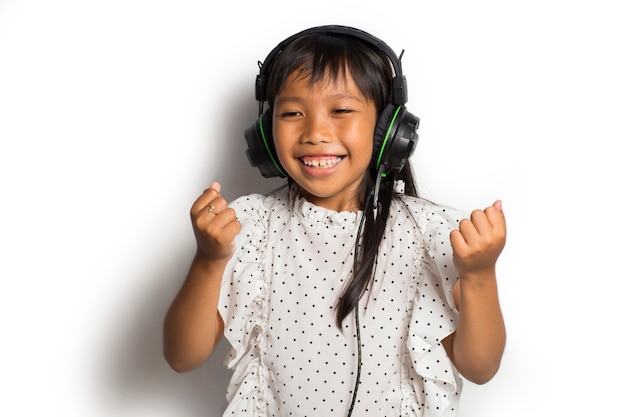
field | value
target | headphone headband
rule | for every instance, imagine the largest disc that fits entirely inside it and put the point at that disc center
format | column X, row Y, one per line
column 399, row 81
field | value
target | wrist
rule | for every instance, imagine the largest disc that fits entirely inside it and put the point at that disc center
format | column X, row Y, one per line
column 478, row 278
column 204, row 262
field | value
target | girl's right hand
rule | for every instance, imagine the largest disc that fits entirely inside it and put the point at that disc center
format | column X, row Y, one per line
column 215, row 225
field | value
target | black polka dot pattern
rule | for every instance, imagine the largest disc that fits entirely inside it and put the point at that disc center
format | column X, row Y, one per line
column 278, row 302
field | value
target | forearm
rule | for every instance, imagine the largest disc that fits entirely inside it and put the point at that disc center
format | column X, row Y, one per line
column 478, row 343
column 193, row 326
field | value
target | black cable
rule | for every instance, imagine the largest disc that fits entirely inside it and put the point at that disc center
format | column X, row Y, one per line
column 356, row 316
column 358, row 369
column 374, row 194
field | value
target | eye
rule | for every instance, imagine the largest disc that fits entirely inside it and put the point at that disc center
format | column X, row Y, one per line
column 290, row 114
column 342, row 111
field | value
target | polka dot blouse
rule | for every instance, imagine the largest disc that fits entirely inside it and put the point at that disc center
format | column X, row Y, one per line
column 278, row 301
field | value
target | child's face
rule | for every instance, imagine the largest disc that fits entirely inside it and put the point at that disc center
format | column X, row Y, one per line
column 324, row 139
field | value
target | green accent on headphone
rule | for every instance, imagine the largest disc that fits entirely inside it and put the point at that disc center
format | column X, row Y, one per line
column 382, row 147
column 267, row 147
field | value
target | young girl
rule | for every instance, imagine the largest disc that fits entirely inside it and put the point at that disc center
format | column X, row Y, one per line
column 339, row 293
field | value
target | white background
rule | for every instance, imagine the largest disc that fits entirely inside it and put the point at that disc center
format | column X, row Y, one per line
column 115, row 115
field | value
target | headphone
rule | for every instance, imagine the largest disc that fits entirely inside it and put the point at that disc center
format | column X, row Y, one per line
column 395, row 134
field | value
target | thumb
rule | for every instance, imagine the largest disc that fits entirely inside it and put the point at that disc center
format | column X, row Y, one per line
column 498, row 204
column 216, row 186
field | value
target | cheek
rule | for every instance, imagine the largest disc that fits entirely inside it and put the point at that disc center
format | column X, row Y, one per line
column 367, row 153
column 282, row 146
column 362, row 139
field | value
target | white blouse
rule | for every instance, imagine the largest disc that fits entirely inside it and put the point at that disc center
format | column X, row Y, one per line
column 278, row 301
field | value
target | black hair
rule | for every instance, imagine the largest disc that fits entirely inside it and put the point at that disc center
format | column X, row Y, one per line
column 316, row 57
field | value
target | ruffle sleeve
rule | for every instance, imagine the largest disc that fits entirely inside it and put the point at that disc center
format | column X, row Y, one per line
column 243, row 307
column 434, row 313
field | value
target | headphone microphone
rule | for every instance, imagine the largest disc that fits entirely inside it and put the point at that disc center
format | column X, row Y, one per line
column 395, row 134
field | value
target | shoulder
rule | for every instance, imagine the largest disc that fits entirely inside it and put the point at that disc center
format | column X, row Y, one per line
column 428, row 214
column 259, row 205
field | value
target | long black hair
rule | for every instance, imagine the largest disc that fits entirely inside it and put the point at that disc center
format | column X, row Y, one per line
column 316, row 57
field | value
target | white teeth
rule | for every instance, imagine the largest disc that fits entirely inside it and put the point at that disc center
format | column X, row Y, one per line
column 321, row 163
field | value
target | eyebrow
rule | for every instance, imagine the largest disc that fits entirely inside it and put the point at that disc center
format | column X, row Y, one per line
column 338, row 96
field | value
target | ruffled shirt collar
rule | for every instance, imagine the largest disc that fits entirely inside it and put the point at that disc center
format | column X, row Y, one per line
column 316, row 214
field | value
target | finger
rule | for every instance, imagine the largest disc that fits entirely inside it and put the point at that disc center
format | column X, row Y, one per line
column 205, row 199
column 216, row 206
column 232, row 228
column 212, row 210
column 216, row 224
column 216, row 186
column 457, row 241
column 481, row 222
column 495, row 215
column 489, row 220
column 468, row 229
column 216, row 236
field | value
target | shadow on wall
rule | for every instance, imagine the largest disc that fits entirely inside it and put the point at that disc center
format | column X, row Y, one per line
column 138, row 378
column 237, row 176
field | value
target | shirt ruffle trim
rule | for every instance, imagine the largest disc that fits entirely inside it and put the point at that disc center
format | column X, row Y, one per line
column 430, row 379
column 246, row 329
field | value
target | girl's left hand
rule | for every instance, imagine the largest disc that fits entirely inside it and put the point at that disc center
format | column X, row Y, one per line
column 479, row 240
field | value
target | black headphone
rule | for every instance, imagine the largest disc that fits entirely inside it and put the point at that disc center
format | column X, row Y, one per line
column 395, row 135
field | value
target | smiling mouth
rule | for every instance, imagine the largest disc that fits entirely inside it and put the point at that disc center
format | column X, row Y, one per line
column 321, row 162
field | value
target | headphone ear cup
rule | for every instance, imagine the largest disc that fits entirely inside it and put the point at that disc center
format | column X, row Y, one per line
column 395, row 137
column 261, row 152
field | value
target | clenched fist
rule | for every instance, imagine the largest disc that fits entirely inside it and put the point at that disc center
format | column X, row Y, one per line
column 215, row 225
column 479, row 240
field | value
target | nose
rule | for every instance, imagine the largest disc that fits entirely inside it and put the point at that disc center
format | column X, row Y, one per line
column 318, row 129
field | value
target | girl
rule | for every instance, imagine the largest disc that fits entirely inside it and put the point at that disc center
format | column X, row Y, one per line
column 338, row 292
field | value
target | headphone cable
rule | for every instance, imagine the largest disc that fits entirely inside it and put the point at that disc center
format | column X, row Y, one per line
column 358, row 370
column 373, row 193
